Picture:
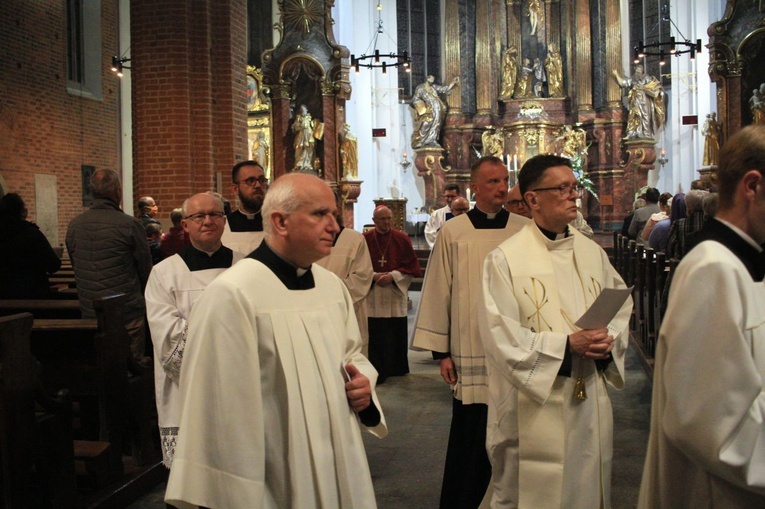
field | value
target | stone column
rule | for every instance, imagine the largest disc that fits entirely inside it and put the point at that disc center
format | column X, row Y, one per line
column 452, row 51
column 582, row 56
column 486, row 71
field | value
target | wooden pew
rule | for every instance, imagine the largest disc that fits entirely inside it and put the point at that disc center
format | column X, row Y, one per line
column 41, row 308
column 29, row 437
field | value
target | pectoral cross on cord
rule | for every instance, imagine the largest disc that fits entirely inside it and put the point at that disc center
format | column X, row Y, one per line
column 382, row 261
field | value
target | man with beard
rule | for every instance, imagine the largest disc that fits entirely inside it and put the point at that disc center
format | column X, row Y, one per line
column 244, row 228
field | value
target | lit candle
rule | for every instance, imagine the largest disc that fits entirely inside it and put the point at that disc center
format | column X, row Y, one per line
column 508, row 163
column 515, row 162
column 467, row 192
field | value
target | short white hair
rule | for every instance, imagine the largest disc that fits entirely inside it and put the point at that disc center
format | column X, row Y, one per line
column 215, row 196
column 281, row 196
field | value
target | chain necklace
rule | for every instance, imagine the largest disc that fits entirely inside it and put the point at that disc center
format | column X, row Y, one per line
column 382, row 261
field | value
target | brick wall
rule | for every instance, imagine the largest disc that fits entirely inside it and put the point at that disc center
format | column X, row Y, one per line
column 189, row 107
column 44, row 129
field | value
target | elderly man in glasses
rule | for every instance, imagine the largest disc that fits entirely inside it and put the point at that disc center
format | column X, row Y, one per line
column 174, row 285
column 244, row 228
column 549, row 433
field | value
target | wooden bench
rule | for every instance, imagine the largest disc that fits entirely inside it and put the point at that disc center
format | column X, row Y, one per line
column 31, row 440
column 42, row 308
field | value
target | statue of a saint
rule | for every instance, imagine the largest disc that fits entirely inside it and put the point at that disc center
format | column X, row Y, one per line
column 307, row 131
column 541, row 77
column 429, row 112
column 349, row 153
column 647, row 109
column 523, row 86
column 260, row 150
column 535, row 14
column 574, row 142
column 711, row 133
column 757, row 105
column 509, row 73
column 493, row 143
column 554, row 67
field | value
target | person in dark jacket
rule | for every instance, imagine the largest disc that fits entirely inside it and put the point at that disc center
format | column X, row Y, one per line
column 147, row 209
column 110, row 256
column 26, row 257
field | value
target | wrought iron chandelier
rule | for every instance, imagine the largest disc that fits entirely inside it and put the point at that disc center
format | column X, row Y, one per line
column 665, row 49
column 118, row 63
column 378, row 60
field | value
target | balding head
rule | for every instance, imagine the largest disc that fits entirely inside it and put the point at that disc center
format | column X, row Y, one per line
column 203, row 221
column 382, row 217
column 106, row 184
column 459, row 206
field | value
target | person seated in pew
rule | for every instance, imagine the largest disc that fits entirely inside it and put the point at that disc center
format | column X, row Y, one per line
column 174, row 285
column 110, row 255
column 26, row 256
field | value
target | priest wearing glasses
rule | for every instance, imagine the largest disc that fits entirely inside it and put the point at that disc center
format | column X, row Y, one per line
column 395, row 264
column 550, row 424
column 244, row 228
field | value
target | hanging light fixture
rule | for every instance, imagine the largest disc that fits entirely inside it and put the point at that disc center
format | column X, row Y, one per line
column 663, row 49
column 376, row 59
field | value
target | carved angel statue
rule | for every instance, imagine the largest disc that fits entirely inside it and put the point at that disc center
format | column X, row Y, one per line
column 711, row 133
column 574, row 142
column 535, row 14
column 493, row 143
column 429, row 112
column 647, row 109
column 307, row 131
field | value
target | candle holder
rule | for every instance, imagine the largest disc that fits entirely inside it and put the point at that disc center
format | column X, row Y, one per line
column 405, row 163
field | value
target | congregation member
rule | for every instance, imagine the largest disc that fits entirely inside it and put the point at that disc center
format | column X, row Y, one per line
column 153, row 238
column 515, row 203
column 147, row 209
column 550, row 424
column 110, row 256
column 638, row 204
column 665, row 207
column 244, row 227
column 174, row 240
column 395, row 264
column 273, row 379
column 439, row 216
column 682, row 229
column 643, row 214
column 707, row 442
column 174, row 285
column 446, row 324
column 349, row 260
column 26, row 256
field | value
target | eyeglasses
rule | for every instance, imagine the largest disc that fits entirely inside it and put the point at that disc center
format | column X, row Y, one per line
column 515, row 203
column 251, row 181
column 563, row 190
column 199, row 217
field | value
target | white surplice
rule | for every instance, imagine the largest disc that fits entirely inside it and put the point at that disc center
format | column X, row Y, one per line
column 265, row 419
column 547, row 449
column 707, row 444
column 242, row 242
column 350, row 261
column 446, row 319
column 170, row 293
column 434, row 224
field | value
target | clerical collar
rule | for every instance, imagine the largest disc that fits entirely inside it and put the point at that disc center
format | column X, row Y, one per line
column 291, row 276
column 249, row 216
column 750, row 254
column 741, row 233
column 483, row 221
column 196, row 259
column 552, row 235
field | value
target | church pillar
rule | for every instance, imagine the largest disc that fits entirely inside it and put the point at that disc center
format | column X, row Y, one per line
column 189, row 109
column 582, row 56
column 613, row 53
column 486, row 67
column 452, row 64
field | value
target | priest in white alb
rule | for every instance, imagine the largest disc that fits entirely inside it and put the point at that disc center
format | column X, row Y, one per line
column 440, row 216
column 349, row 260
column 244, row 228
column 707, row 443
column 274, row 387
column 446, row 325
column 550, row 424
column 174, row 284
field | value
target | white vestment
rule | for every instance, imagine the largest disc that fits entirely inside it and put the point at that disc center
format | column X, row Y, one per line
column 242, row 242
column 170, row 293
column 350, row 261
column 265, row 418
column 390, row 301
column 435, row 222
column 446, row 320
column 707, row 444
column 547, row 449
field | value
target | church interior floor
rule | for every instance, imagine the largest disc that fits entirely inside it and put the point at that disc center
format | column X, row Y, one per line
column 407, row 465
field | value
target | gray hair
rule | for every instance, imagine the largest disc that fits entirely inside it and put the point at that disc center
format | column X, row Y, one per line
column 709, row 205
column 693, row 201
column 105, row 183
column 215, row 196
column 282, row 197
column 639, row 204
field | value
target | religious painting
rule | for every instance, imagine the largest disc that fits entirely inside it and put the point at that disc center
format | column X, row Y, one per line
column 87, row 195
column 259, row 142
column 256, row 98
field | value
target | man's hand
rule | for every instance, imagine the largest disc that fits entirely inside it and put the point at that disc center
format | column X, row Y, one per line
column 448, row 373
column 383, row 279
column 591, row 344
column 358, row 391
